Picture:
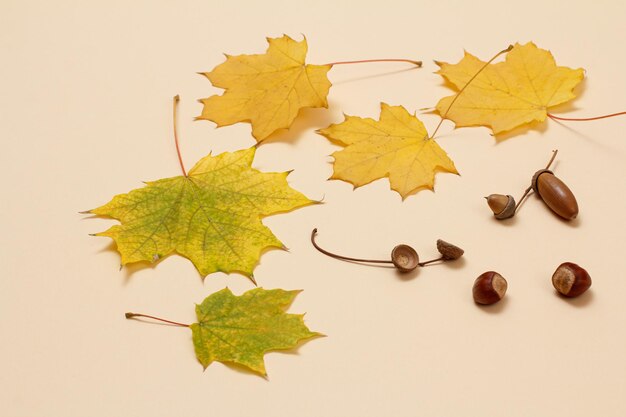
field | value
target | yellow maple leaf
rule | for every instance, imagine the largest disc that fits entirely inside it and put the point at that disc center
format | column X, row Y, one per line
column 212, row 216
column 396, row 146
column 266, row 90
column 508, row 94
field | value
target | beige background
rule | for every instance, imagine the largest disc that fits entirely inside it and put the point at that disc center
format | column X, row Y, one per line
column 86, row 113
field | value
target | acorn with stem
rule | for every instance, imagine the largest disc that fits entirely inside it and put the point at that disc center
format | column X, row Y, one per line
column 403, row 257
column 557, row 196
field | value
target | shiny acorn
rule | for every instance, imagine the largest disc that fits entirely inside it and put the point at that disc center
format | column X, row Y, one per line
column 571, row 280
column 489, row 288
column 554, row 193
column 503, row 206
column 403, row 257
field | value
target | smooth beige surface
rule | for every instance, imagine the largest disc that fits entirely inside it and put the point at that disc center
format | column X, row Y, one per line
column 86, row 113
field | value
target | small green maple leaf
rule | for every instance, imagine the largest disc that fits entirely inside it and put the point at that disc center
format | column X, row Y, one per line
column 212, row 216
column 241, row 329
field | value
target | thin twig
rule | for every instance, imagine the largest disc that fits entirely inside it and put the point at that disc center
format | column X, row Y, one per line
column 345, row 258
column 431, row 261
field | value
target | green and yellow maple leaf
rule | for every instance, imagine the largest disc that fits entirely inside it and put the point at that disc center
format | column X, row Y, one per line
column 396, row 146
column 212, row 216
column 241, row 329
column 266, row 90
column 508, row 94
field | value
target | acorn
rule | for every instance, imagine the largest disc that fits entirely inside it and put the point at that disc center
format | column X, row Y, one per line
column 555, row 194
column 489, row 288
column 503, row 206
column 403, row 257
column 571, row 280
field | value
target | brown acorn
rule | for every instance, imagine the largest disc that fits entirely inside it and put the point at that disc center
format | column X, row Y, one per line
column 503, row 206
column 489, row 288
column 555, row 194
column 571, row 280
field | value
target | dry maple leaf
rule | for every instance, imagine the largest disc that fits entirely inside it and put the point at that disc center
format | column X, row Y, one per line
column 267, row 90
column 508, row 94
column 396, row 146
column 212, row 216
column 241, row 329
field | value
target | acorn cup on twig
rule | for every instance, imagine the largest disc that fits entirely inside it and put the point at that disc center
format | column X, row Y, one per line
column 403, row 257
column 554, row 193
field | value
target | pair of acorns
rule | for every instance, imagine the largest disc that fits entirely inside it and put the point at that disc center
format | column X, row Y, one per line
column 569, row 279
column 557, row 196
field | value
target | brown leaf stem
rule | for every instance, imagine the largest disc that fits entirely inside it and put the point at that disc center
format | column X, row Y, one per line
column 180, row 159
column 362, row 61
column 585, row 119
column 133, row 315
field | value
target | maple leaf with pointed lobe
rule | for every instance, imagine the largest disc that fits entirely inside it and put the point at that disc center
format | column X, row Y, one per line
column 266, row 90
column 212, row 216
column 507, row 94
column 241, row 329
column 395, row 146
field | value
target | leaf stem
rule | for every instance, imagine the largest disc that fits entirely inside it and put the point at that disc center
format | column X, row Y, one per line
column 362, row 61
column 585, row 119
column 133, row 315
column 180, row 159
column 345, row 258
column 465, row 86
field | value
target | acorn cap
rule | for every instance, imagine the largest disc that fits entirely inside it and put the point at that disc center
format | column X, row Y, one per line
column 503, row 206
column 405, row 258
column 448, row 250
column 533, row 182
